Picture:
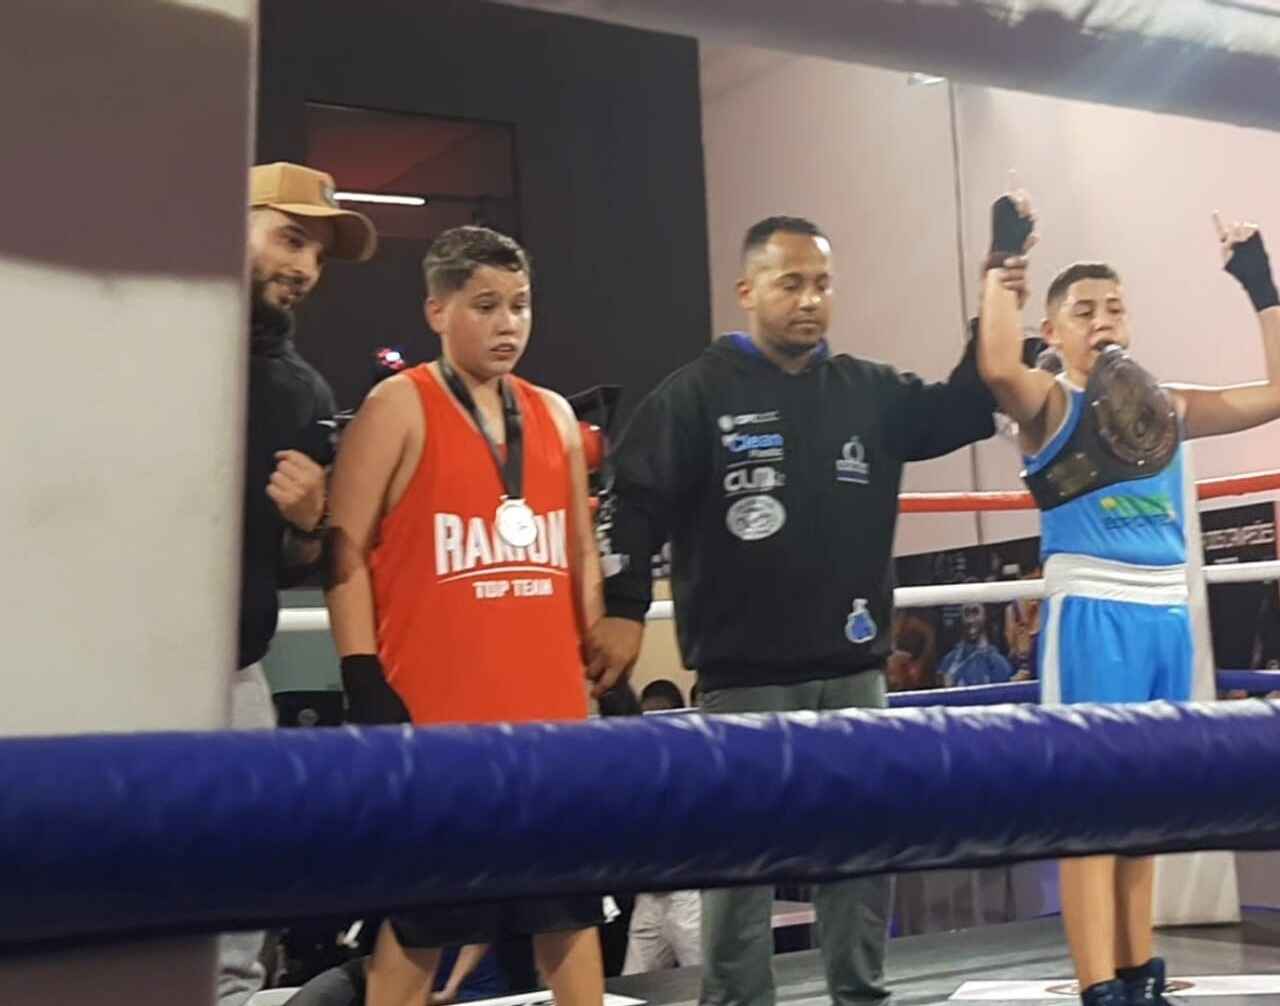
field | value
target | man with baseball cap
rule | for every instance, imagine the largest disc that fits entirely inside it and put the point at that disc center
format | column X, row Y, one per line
column 294, row 225
column 305, row 193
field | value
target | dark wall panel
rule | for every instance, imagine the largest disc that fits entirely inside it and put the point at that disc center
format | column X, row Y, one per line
column 608, row 165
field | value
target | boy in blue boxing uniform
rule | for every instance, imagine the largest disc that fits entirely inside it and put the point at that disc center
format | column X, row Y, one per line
column 1102, row 442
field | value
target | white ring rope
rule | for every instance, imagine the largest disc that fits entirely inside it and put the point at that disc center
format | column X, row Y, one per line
column 931, row 596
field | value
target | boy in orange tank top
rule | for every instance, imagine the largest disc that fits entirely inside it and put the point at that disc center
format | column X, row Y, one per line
column 465, row 575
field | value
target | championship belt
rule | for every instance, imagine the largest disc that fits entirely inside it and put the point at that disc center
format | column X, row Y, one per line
column 1136, row 417
column 1129, row 430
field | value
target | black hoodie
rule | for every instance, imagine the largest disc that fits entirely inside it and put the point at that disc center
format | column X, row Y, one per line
column 779, row 494
column 288, row 403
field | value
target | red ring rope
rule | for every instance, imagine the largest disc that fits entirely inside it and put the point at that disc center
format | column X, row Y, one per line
column 1206, row 489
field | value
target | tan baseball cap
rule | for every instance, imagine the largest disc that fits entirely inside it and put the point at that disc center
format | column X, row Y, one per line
column 305, row 192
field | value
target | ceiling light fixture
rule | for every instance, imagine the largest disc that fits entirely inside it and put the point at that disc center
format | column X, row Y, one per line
column 378, row 197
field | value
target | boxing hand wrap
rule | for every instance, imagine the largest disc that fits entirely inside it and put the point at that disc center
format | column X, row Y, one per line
column 1009, row 231
column 370, row 700
column 1249, row 264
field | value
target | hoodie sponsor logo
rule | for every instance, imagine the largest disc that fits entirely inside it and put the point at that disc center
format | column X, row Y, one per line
column 754, row 518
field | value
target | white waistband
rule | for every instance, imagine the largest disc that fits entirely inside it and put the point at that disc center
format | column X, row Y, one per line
column 1086, row 576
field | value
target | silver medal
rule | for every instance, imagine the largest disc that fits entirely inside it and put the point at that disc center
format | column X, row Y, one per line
column 515, row 523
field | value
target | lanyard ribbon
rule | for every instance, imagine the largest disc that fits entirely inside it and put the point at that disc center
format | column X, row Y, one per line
column 510, row 469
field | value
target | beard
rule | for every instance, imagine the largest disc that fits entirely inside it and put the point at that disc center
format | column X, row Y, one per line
column 793, row 349
column 793, row 344
column 264, row 316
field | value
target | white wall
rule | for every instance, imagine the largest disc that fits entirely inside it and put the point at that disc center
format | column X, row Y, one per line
column 122, row 278
column 870, row 159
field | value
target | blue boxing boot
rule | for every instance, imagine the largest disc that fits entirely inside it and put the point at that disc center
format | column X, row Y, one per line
column 1112, row 993
column 1145, row 983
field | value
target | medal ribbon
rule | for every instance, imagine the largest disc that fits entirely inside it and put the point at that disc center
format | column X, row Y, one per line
column 510, row 469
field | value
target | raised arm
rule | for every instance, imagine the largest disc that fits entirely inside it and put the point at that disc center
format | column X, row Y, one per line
column 1026, row 396
column 928, row 420
column 1207, row 412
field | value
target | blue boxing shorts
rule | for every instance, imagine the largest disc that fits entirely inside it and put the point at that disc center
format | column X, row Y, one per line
column 1112, row 632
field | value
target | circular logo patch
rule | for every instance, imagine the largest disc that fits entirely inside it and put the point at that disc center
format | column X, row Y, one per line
column 726, row 424
column 755, row 517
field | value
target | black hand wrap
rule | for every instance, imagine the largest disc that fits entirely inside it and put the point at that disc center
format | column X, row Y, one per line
column 370, row 699
column 1249, row 264
column 1009, row 231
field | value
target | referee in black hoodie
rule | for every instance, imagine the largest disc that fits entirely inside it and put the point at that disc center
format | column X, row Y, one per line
column 773, row 467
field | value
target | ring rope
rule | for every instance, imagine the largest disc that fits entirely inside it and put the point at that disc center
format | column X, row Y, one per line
column 928, row 596
column 1028, row 692
column 134, row 834
column 1206, row 489
column 316, row 619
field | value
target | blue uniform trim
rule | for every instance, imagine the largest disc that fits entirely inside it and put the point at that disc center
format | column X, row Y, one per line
column 742, row 341
column 1075, row 409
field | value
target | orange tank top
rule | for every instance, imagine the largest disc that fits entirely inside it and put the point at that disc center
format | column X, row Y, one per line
column 471, row 630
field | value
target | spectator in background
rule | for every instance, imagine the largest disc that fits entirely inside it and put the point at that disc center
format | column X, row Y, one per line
column 908, row 666
column 1266, row 637
column 620, row 700
column 661, row 930
column 973, row 660
column 661, row 696
column 665, row 932
column 466, row 974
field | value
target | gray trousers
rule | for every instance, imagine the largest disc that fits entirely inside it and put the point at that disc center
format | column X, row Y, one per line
column 240, row 973
column 737, row 928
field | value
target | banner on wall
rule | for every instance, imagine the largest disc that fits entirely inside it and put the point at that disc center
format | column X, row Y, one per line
column 972, row 644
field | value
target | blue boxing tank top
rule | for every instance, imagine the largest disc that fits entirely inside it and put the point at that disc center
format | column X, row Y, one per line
column 1140, row 522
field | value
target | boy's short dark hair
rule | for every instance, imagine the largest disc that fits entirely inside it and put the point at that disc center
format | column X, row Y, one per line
column 1073, row 274
column 456, row 254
